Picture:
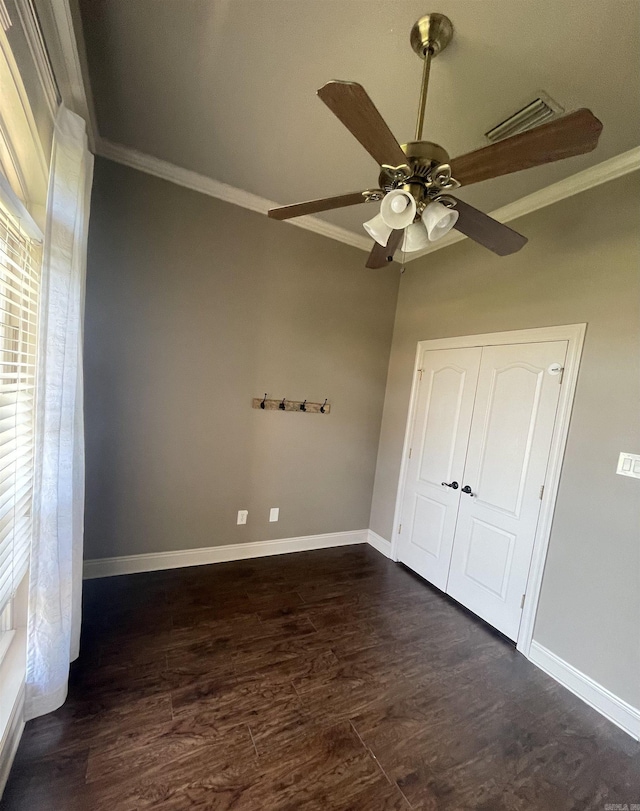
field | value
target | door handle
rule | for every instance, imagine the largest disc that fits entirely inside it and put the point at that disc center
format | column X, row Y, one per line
column 466, row 489
column 453, row 485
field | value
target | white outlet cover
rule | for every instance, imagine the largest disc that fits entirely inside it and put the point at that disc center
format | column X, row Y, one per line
column 274, row 513
column 629, row 465
column 242, row 516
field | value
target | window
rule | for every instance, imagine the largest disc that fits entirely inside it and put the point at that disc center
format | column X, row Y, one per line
column 6, row 628
column 20, row 258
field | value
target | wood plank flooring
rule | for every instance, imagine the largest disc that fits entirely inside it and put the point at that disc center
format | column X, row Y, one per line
column 332, row 681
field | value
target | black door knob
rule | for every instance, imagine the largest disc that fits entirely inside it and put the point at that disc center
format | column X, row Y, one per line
column 453, row 485
column 466, row 489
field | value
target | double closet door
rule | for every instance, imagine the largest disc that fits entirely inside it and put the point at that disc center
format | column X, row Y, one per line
column 479, row 447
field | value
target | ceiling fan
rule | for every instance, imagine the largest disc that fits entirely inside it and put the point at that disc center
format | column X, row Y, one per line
column 416, row 179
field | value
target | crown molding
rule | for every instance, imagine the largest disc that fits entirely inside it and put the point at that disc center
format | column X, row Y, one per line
column 610, row 169
column 222, row 191
column 615, row 167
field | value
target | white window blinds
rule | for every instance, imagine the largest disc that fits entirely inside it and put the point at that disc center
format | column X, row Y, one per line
column 20, row 259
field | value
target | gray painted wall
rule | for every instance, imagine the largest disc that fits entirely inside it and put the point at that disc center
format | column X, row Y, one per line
column 194, row 307
column 582, row 264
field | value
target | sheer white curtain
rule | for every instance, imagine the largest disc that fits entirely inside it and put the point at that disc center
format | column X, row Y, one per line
column 53, row 632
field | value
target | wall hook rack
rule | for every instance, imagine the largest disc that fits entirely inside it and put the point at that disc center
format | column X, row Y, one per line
column 303, row 406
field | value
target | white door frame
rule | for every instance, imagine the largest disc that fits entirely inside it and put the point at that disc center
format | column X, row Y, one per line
column 574, row 335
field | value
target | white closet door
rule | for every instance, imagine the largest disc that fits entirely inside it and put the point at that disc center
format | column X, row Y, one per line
column 509, row 443
column 439, row 437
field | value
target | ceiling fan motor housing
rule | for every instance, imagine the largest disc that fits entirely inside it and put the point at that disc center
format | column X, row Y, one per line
column 422, row 158
column 423, row 153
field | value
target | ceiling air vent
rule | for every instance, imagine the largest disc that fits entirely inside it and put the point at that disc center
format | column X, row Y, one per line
column 541, row 109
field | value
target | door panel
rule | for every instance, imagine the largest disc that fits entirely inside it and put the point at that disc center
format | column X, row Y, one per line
column 428, row 524
column 514, row 398
column 509, row 441
column 489, row 556
column 439, row 438
column 446, row 391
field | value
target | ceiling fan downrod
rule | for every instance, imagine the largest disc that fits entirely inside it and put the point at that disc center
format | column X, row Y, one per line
column 429, row 36
column 422, row 104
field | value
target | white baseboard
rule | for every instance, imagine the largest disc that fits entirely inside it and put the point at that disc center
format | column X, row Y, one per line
column 595, row 695
column 11, row 739
column 378, row 542
column 155, row 561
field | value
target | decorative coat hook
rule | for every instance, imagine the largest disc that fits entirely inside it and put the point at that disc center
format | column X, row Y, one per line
column 304, row 406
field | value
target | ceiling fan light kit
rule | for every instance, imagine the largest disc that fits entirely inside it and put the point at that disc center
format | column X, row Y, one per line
column 434, row 223
column 378, row 229
column 439, row 220
column 415, row 238
column 416, row 179
column 398, row 208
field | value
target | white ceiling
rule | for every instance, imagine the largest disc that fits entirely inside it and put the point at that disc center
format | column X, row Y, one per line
column 226, row 88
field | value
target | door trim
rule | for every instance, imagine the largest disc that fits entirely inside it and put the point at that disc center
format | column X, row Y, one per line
column 574, row 334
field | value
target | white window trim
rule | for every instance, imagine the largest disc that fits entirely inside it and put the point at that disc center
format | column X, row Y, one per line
column 13, row 632
column 7, row 631
column 19, row 131
column 28, row 20
column 12, row 670
column 13, row 667
column 5, row 20
column 17, row 208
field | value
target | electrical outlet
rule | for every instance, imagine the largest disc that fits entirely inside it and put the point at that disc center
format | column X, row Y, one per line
column 274, row 513
column 242, row 516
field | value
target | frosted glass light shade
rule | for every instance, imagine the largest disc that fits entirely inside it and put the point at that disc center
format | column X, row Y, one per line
column 398, row 209
column 415, row 238
column 438, row 220
column 378, row 229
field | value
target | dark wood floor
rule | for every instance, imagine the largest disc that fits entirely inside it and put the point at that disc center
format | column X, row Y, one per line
column 326, row 680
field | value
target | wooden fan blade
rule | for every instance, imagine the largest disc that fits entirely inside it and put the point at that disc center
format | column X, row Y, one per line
column 573, row 134
column 313, row 206
column 381, row 255
column 486, row 231
column 351, row 104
